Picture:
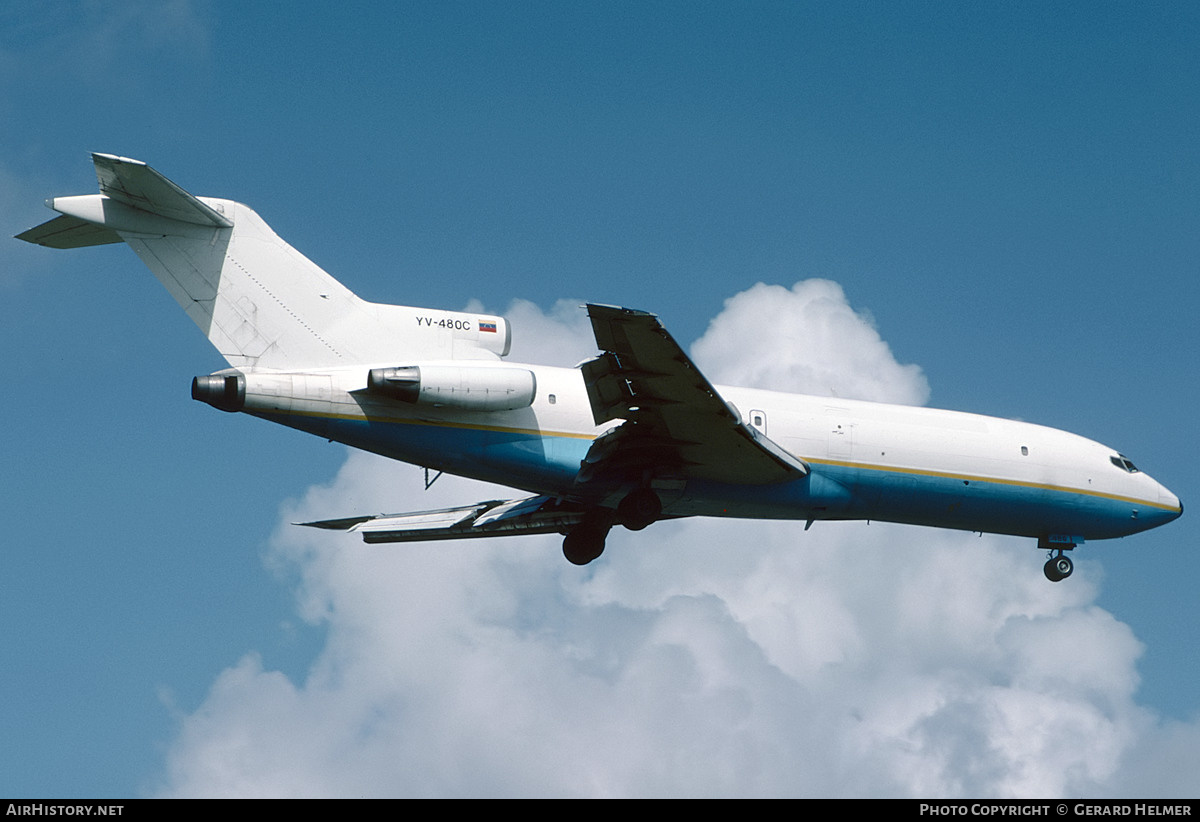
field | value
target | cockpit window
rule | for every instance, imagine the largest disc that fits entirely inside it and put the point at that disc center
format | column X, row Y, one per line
column 1123, row 462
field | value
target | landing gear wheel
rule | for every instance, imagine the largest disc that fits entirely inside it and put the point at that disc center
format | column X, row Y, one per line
column 1058, row 568
column 584, row 543
column 638, row 509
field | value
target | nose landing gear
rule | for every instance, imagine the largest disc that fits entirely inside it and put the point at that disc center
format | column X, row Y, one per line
column 1058, row 567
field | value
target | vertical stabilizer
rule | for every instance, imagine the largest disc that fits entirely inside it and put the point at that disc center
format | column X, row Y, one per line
column 260, row 302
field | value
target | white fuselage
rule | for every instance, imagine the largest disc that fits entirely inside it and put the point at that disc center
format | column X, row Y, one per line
column 869, row 460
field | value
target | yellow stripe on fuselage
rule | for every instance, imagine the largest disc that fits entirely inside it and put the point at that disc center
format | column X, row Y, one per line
column 891, row 469
column 921, row 472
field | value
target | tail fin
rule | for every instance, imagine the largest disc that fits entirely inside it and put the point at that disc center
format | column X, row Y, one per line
column 260, row 302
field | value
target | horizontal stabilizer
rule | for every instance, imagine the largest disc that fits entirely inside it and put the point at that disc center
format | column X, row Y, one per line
column 494, row 518
column 135, row 184
column 69, row 232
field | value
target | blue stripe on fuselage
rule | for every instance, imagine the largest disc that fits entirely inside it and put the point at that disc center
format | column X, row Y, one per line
column 840, row 491
column 833, row 490
column 521, row 459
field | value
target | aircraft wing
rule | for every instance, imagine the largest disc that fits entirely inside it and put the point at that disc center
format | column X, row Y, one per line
column 674, row 418
column 494, row 518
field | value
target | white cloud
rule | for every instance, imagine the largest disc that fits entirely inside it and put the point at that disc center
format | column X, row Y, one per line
column 806, row 340
column 696, row 658
column 562, row 336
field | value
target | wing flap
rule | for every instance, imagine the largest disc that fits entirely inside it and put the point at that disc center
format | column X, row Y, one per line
column 531, row 515
column 675, row 420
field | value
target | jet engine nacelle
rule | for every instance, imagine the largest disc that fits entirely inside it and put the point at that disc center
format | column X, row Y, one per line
column 463, row 387
column 224, row 391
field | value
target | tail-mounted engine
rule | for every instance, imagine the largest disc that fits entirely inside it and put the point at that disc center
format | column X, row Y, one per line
column 467, row 387
column 224, row 391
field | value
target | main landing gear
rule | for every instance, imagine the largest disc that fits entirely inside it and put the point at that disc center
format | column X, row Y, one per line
column 585, row 542
column 1059, row 566
column 639, row 509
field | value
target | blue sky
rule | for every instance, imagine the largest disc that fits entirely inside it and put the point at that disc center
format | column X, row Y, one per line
column 1006, row 196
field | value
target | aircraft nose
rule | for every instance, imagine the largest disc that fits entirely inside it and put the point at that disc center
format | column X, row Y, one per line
column 1171, row 504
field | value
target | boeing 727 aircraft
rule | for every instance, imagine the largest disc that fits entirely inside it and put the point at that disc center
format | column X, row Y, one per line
column 635, row 435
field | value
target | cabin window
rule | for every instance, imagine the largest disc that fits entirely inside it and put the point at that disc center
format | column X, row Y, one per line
column 1123, row 462
column 1024, row 451
column 553, row 399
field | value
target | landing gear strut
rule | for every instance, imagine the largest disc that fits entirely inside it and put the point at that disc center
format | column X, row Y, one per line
column 1059, row 566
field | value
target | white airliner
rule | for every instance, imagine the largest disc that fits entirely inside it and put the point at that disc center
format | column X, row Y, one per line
column 635, row 435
